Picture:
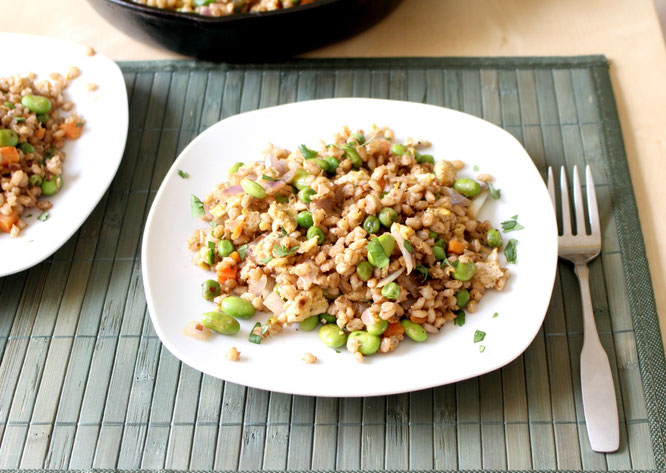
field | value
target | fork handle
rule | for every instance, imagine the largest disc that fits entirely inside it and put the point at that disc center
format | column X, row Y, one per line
column 599, row 401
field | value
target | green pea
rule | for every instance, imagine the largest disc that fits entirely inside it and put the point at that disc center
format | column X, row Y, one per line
column 388, row 243
column 304, row 219
column 51, row 186
column 333, row 164
column 494, row 238
column 387, row 216
column 378, row 327
column 225, row 248
column 371, row 224
column 332, row 335
column 398, row 150
column 433, row 234
column 327, row 318
column 414, row 331
column 305, row 194
column 237, row 307
column 440, row 242
column 253, row 189
column 462, row 298
column 210, row 289
column 234, row 169
column 357, row 138
column 439, row 253
column 367, row 344
column 35, row 180
column 463, row 271
column 391, row 291
column 220, row 322
column 26, row 148
column 36, row 103
column 316, row 232
column 300, row 179
column 43, row 117
column 8, row 138
column 467, row 187
column 352, row 154
column 425, row 158
column 310, row 323
column 364, row 270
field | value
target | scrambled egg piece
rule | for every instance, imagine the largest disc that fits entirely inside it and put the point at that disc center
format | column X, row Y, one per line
column 305, row 304
column 489, row 272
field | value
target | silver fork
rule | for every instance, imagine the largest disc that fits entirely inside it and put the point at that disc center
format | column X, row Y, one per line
column 595, row 373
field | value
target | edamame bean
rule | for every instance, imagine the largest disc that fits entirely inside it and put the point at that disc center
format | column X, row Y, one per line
column 322, row 163
column 367, row 344
column 220, row 322
column 414, row 331
column 352, row 154
column 326, row 318
column 305, row 194
column 398, row 150
column 388, row 243
column 234, row 169
column 463, row 271
column 304, row 219
column 494, row 238
column 51, row 186
column 371, row 224
column 462, row 298
column 364, row 270
column 26, row 148
column 391, row 291
column 316, row 232
column 8, row 138
column 36, row 103
column 425, row 158
column 378, row 327
column 377, row 256
column 333, row 164
column 357, row 138
column 387, row 216
column 332, row 335
column 35, row 180
column 210, row 289
column 300, row 179
column 225, row 248
column 310, row 323
column 467, row 187
column 253, row 189
column 439, row 253
column 237, row 307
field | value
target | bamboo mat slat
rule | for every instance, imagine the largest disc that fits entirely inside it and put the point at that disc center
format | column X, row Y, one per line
column 85, row 382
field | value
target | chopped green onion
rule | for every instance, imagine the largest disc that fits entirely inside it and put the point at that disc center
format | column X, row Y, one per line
column 280, row 251
column 479, row 336
column 408, row 246
column 242, row 251
column 43, row 217
column 423, row 271
column 183, row 174
column 254, row 338
column 460, row 318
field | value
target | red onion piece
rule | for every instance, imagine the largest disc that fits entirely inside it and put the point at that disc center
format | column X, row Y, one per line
column 391, row 277
column 205, row 11
column 409, row 258
column 457, row 198
column 409, row 284
column 367, row 317
column 233, row 190
column 326, row 204
column 258, row 286
column 289, row 175
column 276, row 163
column 274, row 303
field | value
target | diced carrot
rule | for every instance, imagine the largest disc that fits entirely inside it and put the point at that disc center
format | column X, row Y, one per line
column 227, row 273
column 418, row 320
column 6, row 221
column 40, row 132
column 393, row 329
column 8, row 154
column 72, row 130
column 235, row 256
column 238, row 229
column 456, row 247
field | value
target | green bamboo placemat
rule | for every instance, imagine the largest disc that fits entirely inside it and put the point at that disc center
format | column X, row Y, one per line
column 85, row 383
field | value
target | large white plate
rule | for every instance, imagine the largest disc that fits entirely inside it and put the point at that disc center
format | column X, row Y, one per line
column 91, row 161
column 172, row 282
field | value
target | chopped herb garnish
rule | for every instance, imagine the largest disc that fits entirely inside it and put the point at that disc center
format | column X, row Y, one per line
column 242, row 251
column 28, row 216
column 43, row 217
column 476, row 168
column 482, row 348
column 446, row 261
column 331, row 145
column 460, row 318
column 283, row 231
column 423, row 271
column 9, row 105
column 280, row 251
column 307, row 152
column 511, row 225
column 268, row 178
column 266, row 327
column 254, row 338
column 494, row 193
column 495, row 315
column 19, row 119
column 79, row 125
column 479, row 336
column 510, row 251
column 183, row 174
column 408, row 246
column 265, row 260
column 197, row 207
column 382, row 195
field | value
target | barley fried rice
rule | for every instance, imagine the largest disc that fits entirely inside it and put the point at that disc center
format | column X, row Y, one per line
column 363, row 232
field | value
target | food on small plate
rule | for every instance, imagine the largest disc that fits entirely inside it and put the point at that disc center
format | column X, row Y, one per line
column 367, row 240
column 223, row 7
column 35, row 122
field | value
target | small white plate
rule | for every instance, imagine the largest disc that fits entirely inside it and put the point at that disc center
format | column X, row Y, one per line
column 91, row 161
column 173, row 284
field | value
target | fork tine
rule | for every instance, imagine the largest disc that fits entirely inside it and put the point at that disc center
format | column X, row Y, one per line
column 551, row 188
column 566, row 213
column 592, row 208
column 579, row 205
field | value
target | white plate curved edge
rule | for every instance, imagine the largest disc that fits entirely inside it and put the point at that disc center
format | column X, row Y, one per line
column 172, row 285
column 91, row 161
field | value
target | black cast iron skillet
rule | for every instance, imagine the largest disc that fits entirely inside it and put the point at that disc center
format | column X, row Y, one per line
column 245, row 37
